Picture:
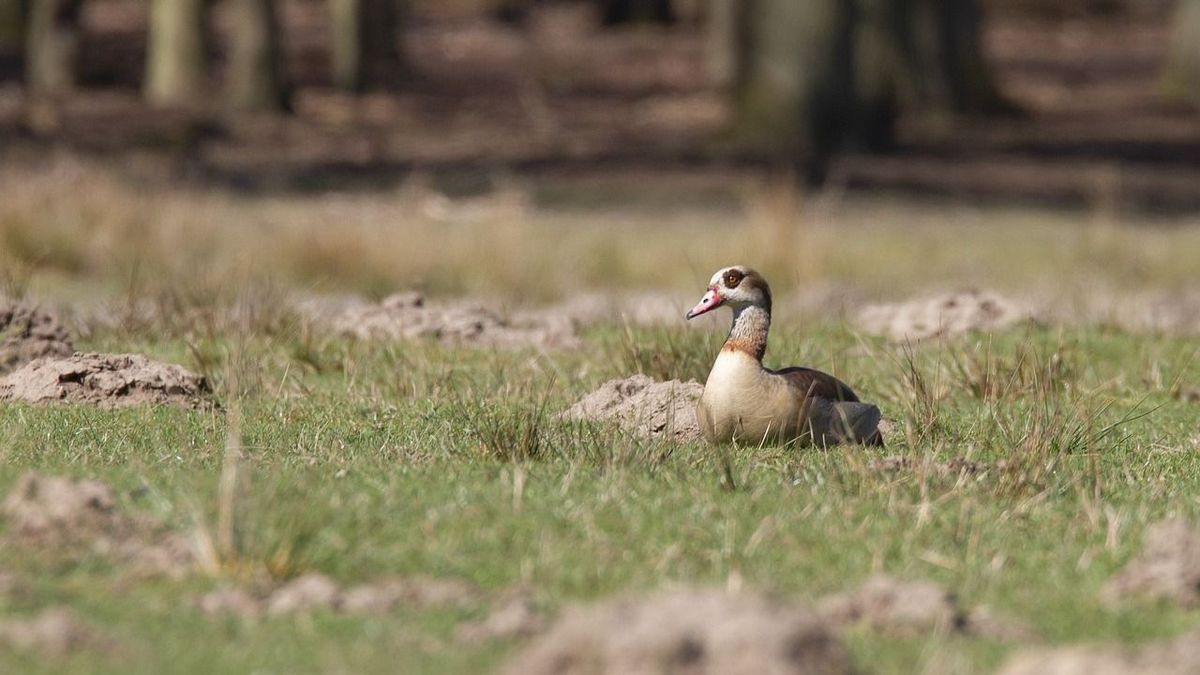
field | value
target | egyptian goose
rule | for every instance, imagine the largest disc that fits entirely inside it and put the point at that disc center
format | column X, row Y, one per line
column 747, row 403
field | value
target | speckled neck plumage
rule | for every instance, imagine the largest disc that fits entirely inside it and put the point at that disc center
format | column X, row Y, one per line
column 749, row 331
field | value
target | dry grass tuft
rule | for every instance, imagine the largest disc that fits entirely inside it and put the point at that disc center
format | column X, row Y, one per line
column 509, row 433
column 662, row 353
column 986, row 375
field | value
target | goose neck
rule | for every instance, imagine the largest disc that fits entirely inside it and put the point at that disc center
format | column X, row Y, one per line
column 749, row 331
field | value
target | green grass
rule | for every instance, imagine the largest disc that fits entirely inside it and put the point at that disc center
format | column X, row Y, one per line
column 364, row 460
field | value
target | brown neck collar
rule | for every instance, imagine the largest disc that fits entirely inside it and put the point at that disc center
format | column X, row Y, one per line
column 749, row 331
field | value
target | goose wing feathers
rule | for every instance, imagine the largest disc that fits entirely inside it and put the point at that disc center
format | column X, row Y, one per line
column 815, row 384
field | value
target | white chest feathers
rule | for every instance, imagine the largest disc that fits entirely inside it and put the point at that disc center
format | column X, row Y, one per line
column 740, row 400
column 734, row 374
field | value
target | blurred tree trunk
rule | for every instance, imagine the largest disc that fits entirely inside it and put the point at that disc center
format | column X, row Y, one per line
column 364, row 51
column 12, row 24
column 795, row 79
column 254, row 80
column 942, row 44
column 815, row 77
column 1182, row 77
column 176, row 52
column 52, row 45
column 636, row 11
column 723, row 44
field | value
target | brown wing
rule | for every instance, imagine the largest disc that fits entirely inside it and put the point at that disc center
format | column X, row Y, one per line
column 823, row 385
column 815, row 383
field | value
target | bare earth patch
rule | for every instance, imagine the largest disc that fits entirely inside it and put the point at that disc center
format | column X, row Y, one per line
column 27, row 332
column 54, row 632
column 106, row 381
column 700, row 632
column 314, row 591
column 1168, row 568
column 644, row 407
column 942, row 315
column 59, row 513
column 407, row 316
column 915, row 607
column 1180, row 656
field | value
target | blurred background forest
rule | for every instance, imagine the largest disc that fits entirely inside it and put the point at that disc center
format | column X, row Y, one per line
column 1087, row 102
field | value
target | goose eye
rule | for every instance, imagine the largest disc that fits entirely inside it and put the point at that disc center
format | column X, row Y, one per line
column 733, row 278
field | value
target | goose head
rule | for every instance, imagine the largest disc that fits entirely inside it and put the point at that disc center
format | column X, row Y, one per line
column 737, row 286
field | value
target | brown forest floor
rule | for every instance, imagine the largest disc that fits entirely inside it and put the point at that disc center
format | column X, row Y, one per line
column 558, row 99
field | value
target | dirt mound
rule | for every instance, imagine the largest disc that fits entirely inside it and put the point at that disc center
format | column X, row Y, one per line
column 695, row 631
column 54, row 632
column 105, row 380
column 660, row 308
column 1098, row 302
column 955, row 466
column 407, row 316
column 638, row 308
column 1171, row 312
column 1180, row 656
column 914, row 607
column 385, row 595
column 515, row 615
column 314, row 591
column 821, row 301
column 644, row 407
column 28, row 333
column 55, row 509
column 1168, row 568
column 12, row 586
column 942, row 315
column 55, row 512
column 1187, row 394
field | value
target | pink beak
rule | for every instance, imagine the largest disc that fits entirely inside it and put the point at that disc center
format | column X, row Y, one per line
column 711, row 300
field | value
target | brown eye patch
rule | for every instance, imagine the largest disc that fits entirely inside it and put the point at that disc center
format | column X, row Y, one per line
column 733, row 278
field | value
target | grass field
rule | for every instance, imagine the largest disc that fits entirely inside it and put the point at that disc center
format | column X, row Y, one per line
column 362, row 460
